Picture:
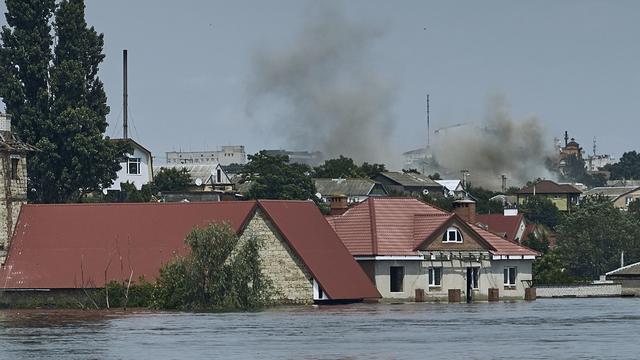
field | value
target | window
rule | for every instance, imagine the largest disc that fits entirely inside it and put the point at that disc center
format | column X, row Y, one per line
column 219, row 176
column 396, row 278
column 14, row 168
column 475, row 275
column 452, row 235
column 133, row 166
column 435, row 276
column 510, row 274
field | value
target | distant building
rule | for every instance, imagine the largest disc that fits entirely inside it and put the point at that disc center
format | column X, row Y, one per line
column 409, row 183
column 629, row 277
column 563, row 196
column 229, row 154
column 595, row 162
column 311, row 158
column 620, row 196
column 355, row 190
column 453, row 188
column 136, row 168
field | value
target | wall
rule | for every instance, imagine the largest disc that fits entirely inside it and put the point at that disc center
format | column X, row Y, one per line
column 13, row 196
column 291, row 281
column 560, row 200
column 589, row 290
column 145, row 171
column 453, row 277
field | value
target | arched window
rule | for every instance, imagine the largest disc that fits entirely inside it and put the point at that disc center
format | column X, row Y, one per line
column 453, row 235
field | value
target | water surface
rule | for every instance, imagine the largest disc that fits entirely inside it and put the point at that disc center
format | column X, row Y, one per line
column 543, row 329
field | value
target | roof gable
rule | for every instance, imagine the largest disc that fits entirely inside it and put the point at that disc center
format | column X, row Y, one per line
column 471, row 239
column 499, row 223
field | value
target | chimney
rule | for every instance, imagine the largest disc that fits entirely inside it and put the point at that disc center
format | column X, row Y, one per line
column 5, row 122
column 338, row 204
column 466, row 209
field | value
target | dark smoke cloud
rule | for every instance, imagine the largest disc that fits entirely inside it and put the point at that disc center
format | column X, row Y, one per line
column 500, row 145
column 329, row 95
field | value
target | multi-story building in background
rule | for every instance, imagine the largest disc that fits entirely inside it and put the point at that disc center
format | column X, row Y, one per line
column 227, row 155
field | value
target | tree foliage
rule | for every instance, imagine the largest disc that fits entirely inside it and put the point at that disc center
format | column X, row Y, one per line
column 171, row 179
column 591, row 238
column 483, row 204
column 221, row 272
column 56, row 99
column 444, row 203
column 540, row 210
column 344, row 167
column 575, row 171
column 628, row 167
column 549, row 270
column 273, row 177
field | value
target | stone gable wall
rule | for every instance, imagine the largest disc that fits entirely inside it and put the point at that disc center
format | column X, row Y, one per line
column 292, row 282
column 12, row 196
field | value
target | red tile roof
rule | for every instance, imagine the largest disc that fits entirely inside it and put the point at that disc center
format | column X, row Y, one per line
column 501, row 224
column 385, row 226
column 64, row 246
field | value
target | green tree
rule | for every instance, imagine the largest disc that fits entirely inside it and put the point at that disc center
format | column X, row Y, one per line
column 444, row 203
column 57, row 100
column 171, row 179
column 541, row 210
column 341, row 167
column 575, row 171
column 549, row 270
column 591, row 238
column 634, row 209
column 273, row 177
column 370, row 170
column 482, row 197
column 538, row 242
column 219, row 273
column 628, row 167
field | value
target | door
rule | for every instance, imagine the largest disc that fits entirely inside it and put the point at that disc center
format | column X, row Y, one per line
column 469, row 284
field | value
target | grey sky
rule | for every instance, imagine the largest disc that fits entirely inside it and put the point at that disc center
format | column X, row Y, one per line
column 574, row 64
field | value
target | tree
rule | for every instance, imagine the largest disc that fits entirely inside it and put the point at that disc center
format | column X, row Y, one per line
column 591, row 238
column 171, row 179
column 273, row 177
column 483, row 203
column 628, row 167
column 549, row 270
column 634, row 209
column 538, row 242
column 220, row 272
column 344, row 167
column 370, row 170
column 575, row 171
column 58, row 102
column 444, row 203
column 541, row 210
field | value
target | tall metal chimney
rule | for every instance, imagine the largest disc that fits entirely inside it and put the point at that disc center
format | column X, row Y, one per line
column 125, row 105
column 566, row 138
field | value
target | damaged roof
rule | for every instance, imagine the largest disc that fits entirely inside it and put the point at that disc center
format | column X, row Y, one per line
column 87, row 245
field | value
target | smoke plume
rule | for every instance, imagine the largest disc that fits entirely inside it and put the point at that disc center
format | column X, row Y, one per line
column 327, row 94
column 500, row 145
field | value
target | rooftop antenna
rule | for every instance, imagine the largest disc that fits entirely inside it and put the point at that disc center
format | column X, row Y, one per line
column 125, row 105
column 428, row 124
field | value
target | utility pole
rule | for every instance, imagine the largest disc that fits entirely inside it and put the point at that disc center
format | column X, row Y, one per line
column 504, row 183
column 465, row 173
column 125, row 105
column 428, row 125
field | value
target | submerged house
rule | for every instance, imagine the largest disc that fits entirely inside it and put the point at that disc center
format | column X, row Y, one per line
column 407, row 247
column 58, row 249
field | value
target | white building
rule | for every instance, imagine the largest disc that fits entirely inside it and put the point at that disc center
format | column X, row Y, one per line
column 227, row 155
column 137, row 168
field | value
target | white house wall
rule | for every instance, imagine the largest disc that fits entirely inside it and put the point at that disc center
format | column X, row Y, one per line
column 138, row 180
column 416, row 276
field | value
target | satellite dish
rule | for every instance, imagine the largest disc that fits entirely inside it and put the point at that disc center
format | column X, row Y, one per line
column 425, row 192
column 198, row 182
column 319, row 196
column 105, row 191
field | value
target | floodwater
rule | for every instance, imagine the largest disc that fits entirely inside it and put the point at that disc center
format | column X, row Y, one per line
column 543, row 329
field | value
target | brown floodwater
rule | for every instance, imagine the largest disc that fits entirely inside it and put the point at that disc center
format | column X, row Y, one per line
column 543, row 329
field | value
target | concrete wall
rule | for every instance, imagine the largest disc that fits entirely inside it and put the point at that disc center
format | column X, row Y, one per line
column 588, row 290
column 292, row 282
column 143, row 178
column 454, row 276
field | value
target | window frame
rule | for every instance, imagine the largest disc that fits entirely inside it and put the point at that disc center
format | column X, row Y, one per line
column 506, row 279
column 458, row 239
column 131, row 161
column 431, row 281
column 15, row 164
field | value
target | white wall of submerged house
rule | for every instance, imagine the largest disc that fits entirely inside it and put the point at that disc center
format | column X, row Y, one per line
column 453, row 275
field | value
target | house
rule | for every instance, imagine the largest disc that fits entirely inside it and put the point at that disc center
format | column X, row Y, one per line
column 629, row 277
column 407, row 246
column 204, row 177
column 510, row 224
column 136, row 168
column 13, row 176
column 453, row 188
column 563, row 196
column 620, row 196
column 408, row 183
column 311, row 158
column 58, row 249
column 355, row 190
